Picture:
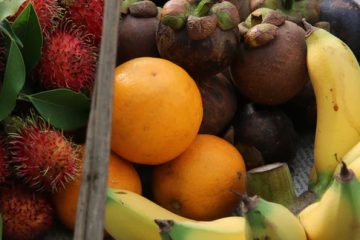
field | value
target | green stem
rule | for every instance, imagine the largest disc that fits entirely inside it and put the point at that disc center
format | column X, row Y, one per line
column 23, row 97
column 322, row 183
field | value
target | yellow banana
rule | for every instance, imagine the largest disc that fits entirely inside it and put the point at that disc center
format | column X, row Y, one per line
column 351, row 160
column 337, row 215
column 229, row 228
column 271, row 220
column 129, row 216
column 335, row 76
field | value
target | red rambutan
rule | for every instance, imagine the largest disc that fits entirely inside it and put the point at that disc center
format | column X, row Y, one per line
column 88, row 13
column 48, row 12
column 42, row 156
column 68, row 60
column 4, row 170
column 26, row 215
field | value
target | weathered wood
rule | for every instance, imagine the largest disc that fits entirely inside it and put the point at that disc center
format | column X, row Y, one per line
column 91, row 204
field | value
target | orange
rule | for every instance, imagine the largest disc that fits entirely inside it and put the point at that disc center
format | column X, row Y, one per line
column 122, row 174
column 198, row 184
column 157, row 110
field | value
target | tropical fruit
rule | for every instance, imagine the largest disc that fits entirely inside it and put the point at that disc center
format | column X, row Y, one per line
column 157, row 110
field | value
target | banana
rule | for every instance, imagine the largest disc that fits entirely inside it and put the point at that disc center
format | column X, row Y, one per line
column 229, row 228
column 271, row 220
column 129, row 216
column 335, row 76
column 351, row 160
column 337, row 215
column 355, row 166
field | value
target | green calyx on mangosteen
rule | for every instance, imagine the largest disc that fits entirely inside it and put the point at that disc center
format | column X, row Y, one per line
column 265, row 133
column 219, row 103
column 272, row 67
column 294, row 10
column 200, row 36
column 137, row 30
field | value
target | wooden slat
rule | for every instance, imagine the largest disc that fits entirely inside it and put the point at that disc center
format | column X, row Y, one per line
column 91, row 204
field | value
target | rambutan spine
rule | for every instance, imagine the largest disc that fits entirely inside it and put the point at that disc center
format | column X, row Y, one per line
column 88, row 13
column 68, row 59
column 26, row 215
column 4, row 166
column 49, row 13
column 42, row 156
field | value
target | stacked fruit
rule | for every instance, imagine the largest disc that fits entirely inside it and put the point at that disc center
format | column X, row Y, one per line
column 204, row 92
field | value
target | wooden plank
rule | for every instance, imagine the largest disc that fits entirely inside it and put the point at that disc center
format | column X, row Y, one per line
column 91, row 204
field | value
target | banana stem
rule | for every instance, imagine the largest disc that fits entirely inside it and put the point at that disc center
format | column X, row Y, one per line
column 308, row 28
column 165, row 228
column 273, row 183
column 345, row 174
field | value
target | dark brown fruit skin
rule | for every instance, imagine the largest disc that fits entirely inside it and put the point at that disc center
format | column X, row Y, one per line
column 137, row 38
column 344, row 19
column 202, row 57
column 219, row 103
column 268, row 130
column 273, row 73
column 26, row 214
column 302, row 109
column 243, row 7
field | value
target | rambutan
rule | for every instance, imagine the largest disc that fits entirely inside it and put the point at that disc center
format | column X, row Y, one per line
column 41, row 155
column 26, row 215
column 68, row 60
column 88, row 13
column 4, row 169
column 48, row 11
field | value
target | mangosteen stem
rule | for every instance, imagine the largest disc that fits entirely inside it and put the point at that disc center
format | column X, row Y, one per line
column 287, row 4
column 203, row 8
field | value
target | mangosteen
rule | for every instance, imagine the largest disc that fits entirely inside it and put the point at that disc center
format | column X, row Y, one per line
column 271, row 69
column 302, row 109
column 266, row 133
column 199, row 36
column 344, row 19
column 137, row 30
column 219, row 103
column 294, row 10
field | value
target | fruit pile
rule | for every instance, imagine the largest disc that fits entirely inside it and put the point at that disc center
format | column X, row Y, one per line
column 210, row 98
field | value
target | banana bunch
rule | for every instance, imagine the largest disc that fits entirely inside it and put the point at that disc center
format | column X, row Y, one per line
column 129, row 216
column 337, row 215
column 229, row 228
column 352, row 160
column 335, row 76
column 271, row 220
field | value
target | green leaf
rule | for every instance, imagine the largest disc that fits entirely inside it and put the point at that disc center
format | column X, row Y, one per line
column 14, row 79
column 9, row 8
column 7, row 29
column 27, row 28
column 62, row 108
